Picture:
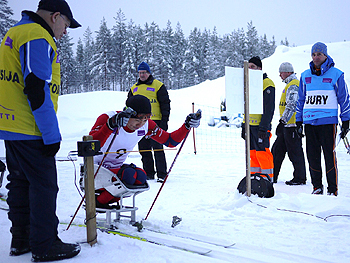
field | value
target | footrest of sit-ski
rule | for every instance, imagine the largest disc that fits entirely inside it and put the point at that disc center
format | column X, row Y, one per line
column 108, row 221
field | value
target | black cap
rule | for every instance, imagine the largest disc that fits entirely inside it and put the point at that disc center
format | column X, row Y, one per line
column 256, row 60
column 139, row 103
column 59, row 6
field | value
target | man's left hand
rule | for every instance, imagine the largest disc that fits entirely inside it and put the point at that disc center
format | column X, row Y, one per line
column 344, row 129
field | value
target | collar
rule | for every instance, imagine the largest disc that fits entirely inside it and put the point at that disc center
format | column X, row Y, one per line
column 39, row 20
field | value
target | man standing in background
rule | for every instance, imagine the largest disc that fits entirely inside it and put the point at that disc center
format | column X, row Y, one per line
column 158, row 95
column 261, row 160
column 322, row 88
column 288, row 140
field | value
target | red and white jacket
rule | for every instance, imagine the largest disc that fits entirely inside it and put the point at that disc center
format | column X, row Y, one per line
column 126, row 139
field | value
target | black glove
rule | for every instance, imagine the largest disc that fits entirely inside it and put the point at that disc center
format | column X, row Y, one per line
column 243, row 131
column 279, row 129
column 344, row 129
column 299, row 129
column 50, row 150
column 121, row 119
column 262, row 134
column 193, row 120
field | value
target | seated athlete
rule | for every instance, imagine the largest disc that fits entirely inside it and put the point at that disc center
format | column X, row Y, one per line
column 121, row 131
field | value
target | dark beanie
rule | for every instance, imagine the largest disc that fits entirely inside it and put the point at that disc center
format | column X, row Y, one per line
column 144, row 66
column 139, row 103
column 256, row 60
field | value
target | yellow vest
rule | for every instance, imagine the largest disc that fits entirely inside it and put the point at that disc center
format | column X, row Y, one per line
column 150, row 91
column 254, row 119
column 282, row 105
column 15, row 112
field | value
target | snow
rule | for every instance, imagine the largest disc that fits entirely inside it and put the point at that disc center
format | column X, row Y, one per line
column 201, row 189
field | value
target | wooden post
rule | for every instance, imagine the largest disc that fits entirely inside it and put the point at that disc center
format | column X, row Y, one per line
column 247, row 130
column 90, row 197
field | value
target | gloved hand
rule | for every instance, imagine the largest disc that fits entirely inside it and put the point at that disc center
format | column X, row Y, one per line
column 262, row 134
column 243, row 131
column 299, row 129
column 279, row 129
column 193, row 120
column 121, row 119
column 344, row 129
column 50, row 150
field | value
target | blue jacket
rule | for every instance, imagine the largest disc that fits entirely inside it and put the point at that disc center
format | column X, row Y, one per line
column 319, row 96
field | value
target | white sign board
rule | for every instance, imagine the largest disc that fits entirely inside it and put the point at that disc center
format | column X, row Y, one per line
column 234, row 86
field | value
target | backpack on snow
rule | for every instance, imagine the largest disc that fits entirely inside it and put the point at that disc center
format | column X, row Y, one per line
column 262, row 186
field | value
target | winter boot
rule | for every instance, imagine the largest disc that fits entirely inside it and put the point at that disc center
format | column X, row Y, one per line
column 58, row 251
column 20, row 240
column 317, row 191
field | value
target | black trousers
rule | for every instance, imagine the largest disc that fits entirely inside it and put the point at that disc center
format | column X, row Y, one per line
column 322, row 138
column 147, row 158
column 32, row 192
column 288, row 141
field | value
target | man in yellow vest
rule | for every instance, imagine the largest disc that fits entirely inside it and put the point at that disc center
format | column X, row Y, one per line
column 261, row 160
column 288, row 140
column 158, row 95
column 29, row 88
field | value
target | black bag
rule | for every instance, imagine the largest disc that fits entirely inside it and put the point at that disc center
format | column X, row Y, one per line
column 262, row 186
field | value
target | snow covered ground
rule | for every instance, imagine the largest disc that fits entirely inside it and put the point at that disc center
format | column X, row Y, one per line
column 201, row 189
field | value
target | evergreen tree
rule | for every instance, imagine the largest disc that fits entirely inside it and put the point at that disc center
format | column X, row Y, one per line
column 80, row 67
column 119, row 42
column 67, row 61
column 196, row 64
column 103, row 68
column 5, row 18
column 215, row 62
column 285, row 42
column 134, row 54
column 252, row 40
column 177, row 51
column 87, row 64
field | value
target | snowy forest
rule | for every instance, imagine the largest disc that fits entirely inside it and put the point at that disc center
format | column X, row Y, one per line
column 108, row 58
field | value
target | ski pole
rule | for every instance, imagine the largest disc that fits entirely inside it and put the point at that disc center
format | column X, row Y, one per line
column 82, row 199
column 194, row 138
column 346, row 143
column 166, row 177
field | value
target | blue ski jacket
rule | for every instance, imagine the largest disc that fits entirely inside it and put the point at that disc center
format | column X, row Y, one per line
column 319, row 96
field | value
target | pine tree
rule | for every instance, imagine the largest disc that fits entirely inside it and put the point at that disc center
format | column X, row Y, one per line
column 196, row 64
column 177, row 52
column 67, row 61
column 216, row 64
column 5, row 18
column 134, row 54
column 252, row 40
column 80, row 67
column 89, row 51
column 119, row 41
column 103, row 68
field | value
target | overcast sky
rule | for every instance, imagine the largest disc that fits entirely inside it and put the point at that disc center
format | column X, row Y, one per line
column 301, row 21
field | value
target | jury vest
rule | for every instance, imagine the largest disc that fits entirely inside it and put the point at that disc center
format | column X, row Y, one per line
column 150, row 91
column 254, row 119
column 15, row 112
column 282, row 105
